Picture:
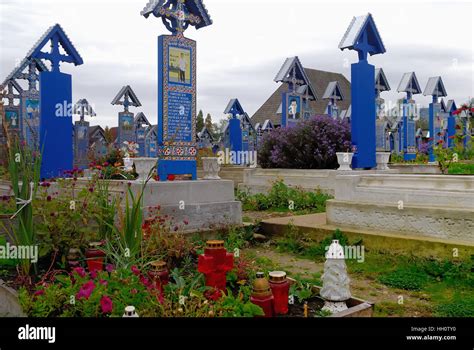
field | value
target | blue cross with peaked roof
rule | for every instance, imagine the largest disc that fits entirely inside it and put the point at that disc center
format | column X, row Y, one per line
column 177, row 15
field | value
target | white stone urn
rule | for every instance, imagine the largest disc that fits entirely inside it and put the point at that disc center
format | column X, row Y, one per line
column 128, row 163
column 382, row 159
column 211, row 167
column 143, row 166
column 345, row 160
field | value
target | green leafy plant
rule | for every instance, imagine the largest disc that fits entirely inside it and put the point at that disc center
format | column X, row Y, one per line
column 24, row 167
column 444, row 156
column 107, row 208
column 284, row 198
column 237, row 306
column 301, row 290
column 65, row 218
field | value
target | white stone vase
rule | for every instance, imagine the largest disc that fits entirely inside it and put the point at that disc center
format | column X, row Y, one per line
column 143, row 166
column 382, row 159
column 211, row 167
column 345, row 160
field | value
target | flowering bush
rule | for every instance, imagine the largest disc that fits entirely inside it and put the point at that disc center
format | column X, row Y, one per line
column 312, row 144
column 95, row 294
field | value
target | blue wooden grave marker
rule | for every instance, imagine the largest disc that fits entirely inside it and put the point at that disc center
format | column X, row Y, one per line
column 295, row 102
column 151, row 147
column 81, row 133
column 382, row 125
column 205, row 138
column 450, row 108
column 55, row 102
column 13, row 107
column 409, row 84
column 435, row 89
column 126, row 97
column 29, row 114
column 141, row 128
column 362, row 36
column 234, row 128
column 333, row 93
column 177, row 85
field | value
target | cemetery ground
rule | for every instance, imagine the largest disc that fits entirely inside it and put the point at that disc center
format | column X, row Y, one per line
column 63, row 285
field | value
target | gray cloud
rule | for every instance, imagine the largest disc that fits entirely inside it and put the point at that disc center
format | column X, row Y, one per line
column 241, row 53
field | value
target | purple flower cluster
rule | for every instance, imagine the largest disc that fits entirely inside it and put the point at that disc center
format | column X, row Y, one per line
column 424, row 147
column 311, row 144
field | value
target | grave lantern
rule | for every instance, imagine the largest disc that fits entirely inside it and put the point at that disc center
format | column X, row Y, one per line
column 262, row 294
column 333, row 93
column 159, row 274
column 362, row 36
column 215, row 263
column 435, row 89
column 295, row 101
column 407, row 139
column 335, row 280
column 280, row 290
column 55, row 102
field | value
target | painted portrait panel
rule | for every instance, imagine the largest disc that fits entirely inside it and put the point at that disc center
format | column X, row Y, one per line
column 179, row 69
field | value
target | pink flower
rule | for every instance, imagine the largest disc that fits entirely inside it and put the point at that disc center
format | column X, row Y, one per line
column 86, row 290
column 109, row 268
column 103, row 282
column 134, row 291
column 93, row 274
column 106, row 304
column 39, row 292
column 186, row 222
column 135, row 270
column 80, row 271
column 146, row 282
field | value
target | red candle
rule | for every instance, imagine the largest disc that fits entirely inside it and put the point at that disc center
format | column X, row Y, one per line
column 280, row 290
column 262, row 294
column 95, row 257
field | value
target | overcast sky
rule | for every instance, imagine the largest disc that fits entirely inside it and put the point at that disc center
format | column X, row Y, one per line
column 240, row 54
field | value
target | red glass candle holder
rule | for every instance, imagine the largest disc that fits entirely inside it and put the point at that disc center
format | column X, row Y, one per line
column 95, row 257
column 215, row 263
column 262, row 295
column 159, row 274
column 280, row 289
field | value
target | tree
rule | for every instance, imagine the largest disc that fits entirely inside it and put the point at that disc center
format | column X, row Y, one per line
column 209, row 125
column 109, row 138
column 200, row 121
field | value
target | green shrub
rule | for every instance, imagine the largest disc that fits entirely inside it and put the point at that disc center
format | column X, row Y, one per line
column 284, row 198
column 461, row 169
column 405, row 278
column 460, row 307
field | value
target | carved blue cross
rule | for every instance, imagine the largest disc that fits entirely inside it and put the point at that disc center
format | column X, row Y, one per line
column 179, row 17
